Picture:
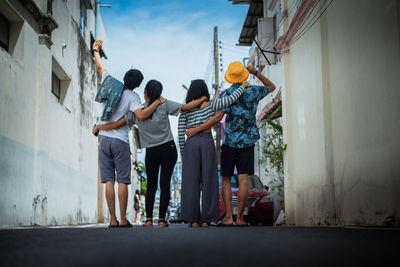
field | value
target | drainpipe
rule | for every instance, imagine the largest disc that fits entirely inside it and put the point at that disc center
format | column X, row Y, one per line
column 97, row 16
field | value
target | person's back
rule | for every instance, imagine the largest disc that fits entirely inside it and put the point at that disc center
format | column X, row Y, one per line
column 156, row 130
column 129, row 101
column 241, row 128
column 240, row 136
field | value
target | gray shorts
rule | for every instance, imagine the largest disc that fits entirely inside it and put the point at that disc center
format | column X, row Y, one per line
column 114, row 156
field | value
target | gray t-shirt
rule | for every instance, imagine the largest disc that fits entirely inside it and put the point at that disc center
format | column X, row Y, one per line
column 156, row 130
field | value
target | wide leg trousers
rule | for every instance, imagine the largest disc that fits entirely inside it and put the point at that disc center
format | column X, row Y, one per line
column 200, row 176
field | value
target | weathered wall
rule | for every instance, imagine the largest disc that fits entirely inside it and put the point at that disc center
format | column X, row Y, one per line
column 341, row 106
column 49, row 157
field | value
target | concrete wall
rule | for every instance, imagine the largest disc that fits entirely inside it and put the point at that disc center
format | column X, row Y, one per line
column 48, row 158
column 341, row 105
column 273, row 73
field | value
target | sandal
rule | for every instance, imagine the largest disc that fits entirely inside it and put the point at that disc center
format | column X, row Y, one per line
column 128, row 224
column 194, row 225
column 148, row 223
column 113, row 226
column 162, row 223
column 205, row 224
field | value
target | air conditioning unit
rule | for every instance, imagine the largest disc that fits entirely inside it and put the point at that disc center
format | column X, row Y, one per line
column 266, row 39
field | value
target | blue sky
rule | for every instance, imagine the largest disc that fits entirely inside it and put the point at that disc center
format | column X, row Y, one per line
column 171, row 41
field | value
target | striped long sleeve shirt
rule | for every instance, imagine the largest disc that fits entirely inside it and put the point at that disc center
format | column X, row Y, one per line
column 196, row 117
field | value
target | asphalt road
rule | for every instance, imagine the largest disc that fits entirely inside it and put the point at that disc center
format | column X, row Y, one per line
column 182, row 246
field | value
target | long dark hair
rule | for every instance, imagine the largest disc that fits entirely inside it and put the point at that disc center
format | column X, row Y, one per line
column 197, row 89
column 153, row 91
column 137, row 192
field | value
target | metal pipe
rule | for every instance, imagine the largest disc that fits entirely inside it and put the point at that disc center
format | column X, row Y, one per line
column 269, row 63
column 96, row 22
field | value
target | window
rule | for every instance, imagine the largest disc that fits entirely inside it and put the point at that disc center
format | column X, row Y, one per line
column 60, row 83
column 11, row 34
column 4, row 32
column 55, row 86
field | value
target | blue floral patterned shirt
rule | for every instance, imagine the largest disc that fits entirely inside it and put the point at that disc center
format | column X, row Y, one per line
column 241, row 128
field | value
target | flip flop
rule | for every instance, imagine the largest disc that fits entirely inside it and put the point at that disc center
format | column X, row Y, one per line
column 128, row 224
column 162, row 221
column 220, row 224
column 148, row 220
column 113, row 226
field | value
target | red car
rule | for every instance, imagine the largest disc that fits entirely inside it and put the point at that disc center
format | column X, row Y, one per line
column 260, row 206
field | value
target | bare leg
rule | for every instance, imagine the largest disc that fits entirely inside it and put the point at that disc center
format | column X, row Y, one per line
column 123, row 201
column 110, row 197
column 226, row 192
column 242, row 196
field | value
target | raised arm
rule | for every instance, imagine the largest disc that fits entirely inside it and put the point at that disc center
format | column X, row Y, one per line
column 182, row 125
column 226, row 101
column 265, row 81
column 193, row 104
column 142, row 114
column 96, row 49
column 207, row 125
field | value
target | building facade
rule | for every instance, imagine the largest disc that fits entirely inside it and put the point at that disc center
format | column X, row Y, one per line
column 339, row 76
column 48, row 81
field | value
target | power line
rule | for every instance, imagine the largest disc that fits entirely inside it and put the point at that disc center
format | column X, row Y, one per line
column 288, row 13
column 301, row 28
column 308, row 28
column 232, row 46
column 236, row 52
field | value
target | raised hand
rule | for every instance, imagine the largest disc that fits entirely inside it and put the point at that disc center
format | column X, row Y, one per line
column 97, row 44
column 162, row 99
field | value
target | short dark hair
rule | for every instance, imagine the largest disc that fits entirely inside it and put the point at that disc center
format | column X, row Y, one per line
column 132, row 79
column 197, row 89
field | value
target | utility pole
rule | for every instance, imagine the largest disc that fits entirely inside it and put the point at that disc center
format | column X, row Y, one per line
column 216, row 70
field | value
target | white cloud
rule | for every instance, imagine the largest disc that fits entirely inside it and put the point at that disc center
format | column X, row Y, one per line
column 171, row 49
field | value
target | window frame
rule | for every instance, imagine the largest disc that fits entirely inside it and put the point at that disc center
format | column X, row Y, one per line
column 53, row 78
column 4, row 45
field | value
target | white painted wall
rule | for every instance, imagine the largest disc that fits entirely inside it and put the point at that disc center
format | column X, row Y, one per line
column 48, row 155
column 273, row 73
column 341, row 105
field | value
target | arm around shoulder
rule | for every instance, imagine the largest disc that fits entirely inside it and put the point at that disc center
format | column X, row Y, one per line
column 143, row 113
column 193, row 104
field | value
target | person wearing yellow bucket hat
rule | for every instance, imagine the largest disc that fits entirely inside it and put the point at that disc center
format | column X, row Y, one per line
column 240, row 135
column 236, row 73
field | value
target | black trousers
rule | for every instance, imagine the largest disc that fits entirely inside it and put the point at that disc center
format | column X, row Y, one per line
column 163, row 156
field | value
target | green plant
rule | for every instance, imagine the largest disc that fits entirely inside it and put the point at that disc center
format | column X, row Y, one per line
column 141, row 169
column 274, row 150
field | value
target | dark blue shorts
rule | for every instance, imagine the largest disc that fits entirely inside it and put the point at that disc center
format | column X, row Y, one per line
column 114, row 160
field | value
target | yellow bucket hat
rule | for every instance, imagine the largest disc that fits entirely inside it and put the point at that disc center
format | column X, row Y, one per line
column 236, row 73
